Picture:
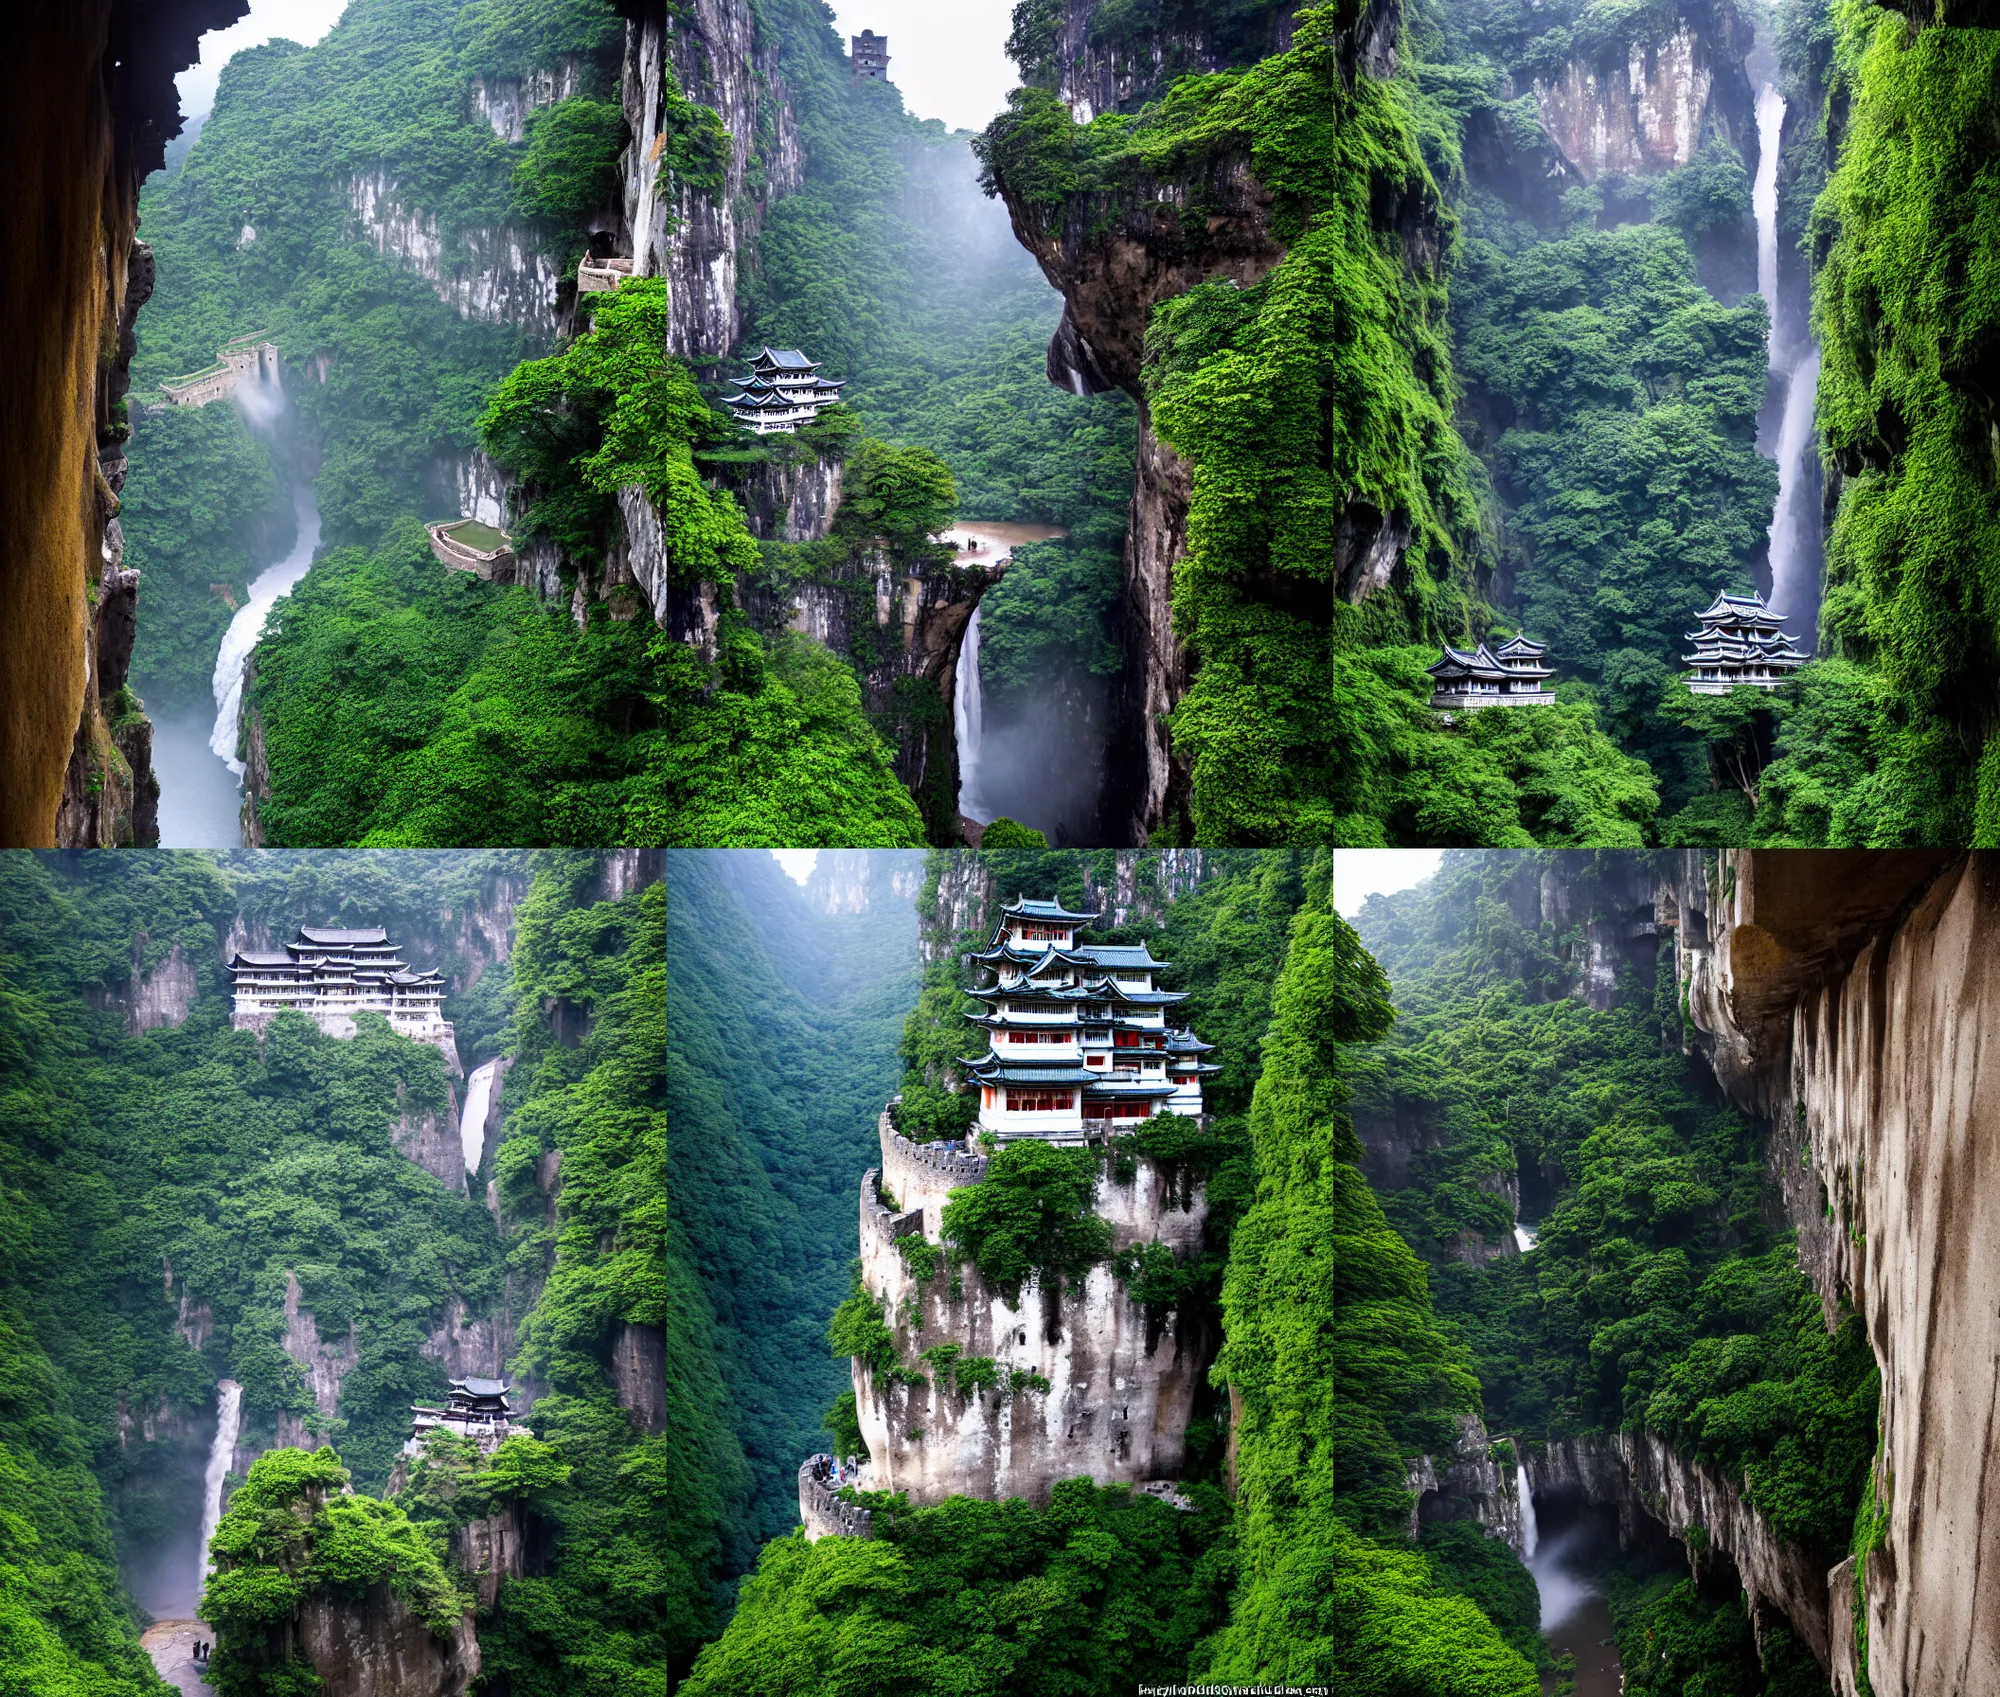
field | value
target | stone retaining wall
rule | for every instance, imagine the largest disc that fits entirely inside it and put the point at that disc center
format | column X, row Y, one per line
column 823, row 1512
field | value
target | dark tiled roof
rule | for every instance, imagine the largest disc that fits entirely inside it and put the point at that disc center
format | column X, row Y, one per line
column 318, row 934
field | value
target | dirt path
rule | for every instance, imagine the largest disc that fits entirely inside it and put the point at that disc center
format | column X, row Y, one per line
column 171, row 1645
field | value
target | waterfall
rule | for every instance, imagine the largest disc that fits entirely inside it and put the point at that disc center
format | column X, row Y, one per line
column 228, row 1420
column 1530, row 1533
column 1524, row 1236
column 472, row 1123
column 1794, row 535
column 248, row 625
column 969, row 721
column 1764, row 194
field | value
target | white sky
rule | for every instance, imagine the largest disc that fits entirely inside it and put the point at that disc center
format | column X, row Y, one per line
column 1361, row 873
column 1357, row 873
column 303, row 21
column 798, row 862
column 949, row 57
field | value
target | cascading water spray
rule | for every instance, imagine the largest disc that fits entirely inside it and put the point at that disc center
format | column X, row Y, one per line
column 248, row 625
column 1794, row 535
column 472, row 1123
column 228, row 1421
column 969, row 714
column 1530, row 1533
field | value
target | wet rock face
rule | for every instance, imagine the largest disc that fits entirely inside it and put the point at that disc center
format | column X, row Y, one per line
column 1868, row 1043
column 639, row 1369
column 1643, row 106
column 88, row 116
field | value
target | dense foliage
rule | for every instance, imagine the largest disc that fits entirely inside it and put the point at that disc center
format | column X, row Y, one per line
column 294, row 1533
column 1321, row 393
column 203, row 512
column 978, row 1599
column 1658, row 1297
column 602, row 1609
column 171, row 1192
column 1907, row 311
column 402, row 705
column 1340, row 1370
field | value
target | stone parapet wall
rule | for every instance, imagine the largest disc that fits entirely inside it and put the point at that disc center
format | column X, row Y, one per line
column 823, row 1512
column 920, row 1176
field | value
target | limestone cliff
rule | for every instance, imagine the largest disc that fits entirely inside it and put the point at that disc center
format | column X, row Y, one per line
column 721, row 59
column 90, row 115
column 491, row 274
column 1642, row 104
column 1851, row 997
column 1120, row 1380
column 1139, row 885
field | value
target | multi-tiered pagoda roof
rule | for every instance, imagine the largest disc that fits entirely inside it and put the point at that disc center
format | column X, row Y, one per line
column 322, row 964
column 1741, row 644
column 1077, row 1033
column 783, row 391
column 1511, row 675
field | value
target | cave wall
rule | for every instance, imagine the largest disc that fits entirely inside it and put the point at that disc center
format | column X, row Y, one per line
column 90, row 112
column 1864, row 1037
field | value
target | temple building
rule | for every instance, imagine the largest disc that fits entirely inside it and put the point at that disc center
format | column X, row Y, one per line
column 1078, row 1036
column 332, row 975
column 1741, row 643
column 783, row 391
column 871, row 56
column 1511, row 675
column 475, row 1409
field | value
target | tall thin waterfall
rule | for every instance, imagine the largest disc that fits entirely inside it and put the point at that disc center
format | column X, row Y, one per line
column 1795, row 363
column 262, row 403
column 228, row 1422
column 1530, row 1532
column 969, row 716
column 472, row 1123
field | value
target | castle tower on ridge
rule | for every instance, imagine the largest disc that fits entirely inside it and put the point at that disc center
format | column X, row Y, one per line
column 871, row 56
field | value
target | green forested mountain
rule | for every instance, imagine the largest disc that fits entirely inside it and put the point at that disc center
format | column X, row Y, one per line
column 782, row 1048
column 174, row 1194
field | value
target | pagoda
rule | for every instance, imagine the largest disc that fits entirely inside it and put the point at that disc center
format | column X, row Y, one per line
column 1741, row 644
column 783, row 391
column 1511, row 675
column 1078, row 1035
column 331, row 975
column 474, row 1409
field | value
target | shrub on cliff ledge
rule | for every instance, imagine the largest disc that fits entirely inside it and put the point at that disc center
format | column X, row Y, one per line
column 293, row 1532
column 1030, row 1215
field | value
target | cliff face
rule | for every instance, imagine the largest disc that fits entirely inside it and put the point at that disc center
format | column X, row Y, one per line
column 1114, row 255
column 1642, row 108
column 378, row 1648
column 1655, row 1491
column 721, row 60
column 93, row 108
column 492, row 275
column 1866, row 1040
column 1121, row 1380
column 1139, row 885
